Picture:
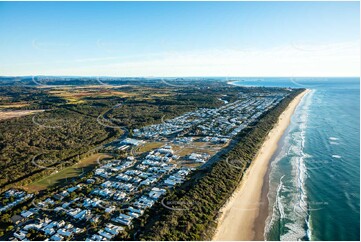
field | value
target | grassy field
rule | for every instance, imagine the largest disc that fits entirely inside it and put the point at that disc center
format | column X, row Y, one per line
column 67, row 173
column 149, row 146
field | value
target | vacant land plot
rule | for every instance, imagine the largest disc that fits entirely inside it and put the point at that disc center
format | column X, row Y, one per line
column 197, row 147
column 17, row 113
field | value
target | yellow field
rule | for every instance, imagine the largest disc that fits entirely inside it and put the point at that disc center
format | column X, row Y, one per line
column 14, row 105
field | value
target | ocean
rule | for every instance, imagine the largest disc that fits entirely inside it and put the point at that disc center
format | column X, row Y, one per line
column 314, row 176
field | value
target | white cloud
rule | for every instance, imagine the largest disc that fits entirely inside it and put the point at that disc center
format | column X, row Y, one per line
column 296, row 59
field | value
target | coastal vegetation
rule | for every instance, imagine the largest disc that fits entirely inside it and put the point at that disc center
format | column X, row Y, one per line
column 34, row 146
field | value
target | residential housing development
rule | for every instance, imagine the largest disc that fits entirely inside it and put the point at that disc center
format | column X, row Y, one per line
column 119, row 191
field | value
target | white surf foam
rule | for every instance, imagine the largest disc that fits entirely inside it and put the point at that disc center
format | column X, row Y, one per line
column 297, row 225
column 283, row 209
column 277, row 210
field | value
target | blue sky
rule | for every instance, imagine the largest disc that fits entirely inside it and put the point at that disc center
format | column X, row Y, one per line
column 180, row 38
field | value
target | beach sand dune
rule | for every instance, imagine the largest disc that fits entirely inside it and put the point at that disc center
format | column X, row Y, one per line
column 239, row 215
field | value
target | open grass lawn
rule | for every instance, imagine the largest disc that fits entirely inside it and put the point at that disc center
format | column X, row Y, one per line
column 67, row 173
column 149, row 146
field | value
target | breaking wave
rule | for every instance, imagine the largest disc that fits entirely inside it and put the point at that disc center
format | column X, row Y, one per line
column 289, row 217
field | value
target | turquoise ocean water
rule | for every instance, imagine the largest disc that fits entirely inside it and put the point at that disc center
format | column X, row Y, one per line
column 314, row 179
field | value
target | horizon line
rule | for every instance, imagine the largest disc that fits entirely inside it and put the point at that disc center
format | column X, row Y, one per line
column 150, row 77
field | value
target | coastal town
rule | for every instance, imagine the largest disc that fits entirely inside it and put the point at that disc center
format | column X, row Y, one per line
column 105, row 204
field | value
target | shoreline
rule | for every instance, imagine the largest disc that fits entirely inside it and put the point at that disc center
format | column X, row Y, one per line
column 240, row 216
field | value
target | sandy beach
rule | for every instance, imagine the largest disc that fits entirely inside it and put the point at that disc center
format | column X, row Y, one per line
column 239, row 215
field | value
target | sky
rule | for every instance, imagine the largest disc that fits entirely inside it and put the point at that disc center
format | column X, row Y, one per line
column 168, row 39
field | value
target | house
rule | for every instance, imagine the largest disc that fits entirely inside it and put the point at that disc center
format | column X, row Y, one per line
column 134, row 210
column 26, row 214
column 32, row 226
column 58, row 197
column 165, row 151
column 136, row 180
column 105, row 234
column 78, row 230
column 72, row 189
column 65, row 205
column 61, row 223
column 144, row 175
column 123, row 147
column 21, row 235
column 129, row 141
column 113, row 229
column 69, row 226
column 119, row 195
column 170, row 182
column 95, row 202
column 156, row 193
column 14, row 193
column 50, row 225
column 49, row 201
column 64, row 194
column 106, row 184
column 74, row 212
column 110, row 209
column 142, row 167
column 144, row 202
column 49, row 231
column 123, row 219
column 106, row 193
column 132, row 172
column 16, row 219
column 95, row 219
column 82, row 214
column 65, row 233
column 57, row 237
column 95, row 237
column 87, row 202
column 123, row 177
column 58, row 209
column 133, row 215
